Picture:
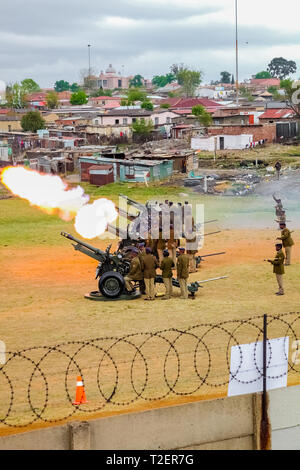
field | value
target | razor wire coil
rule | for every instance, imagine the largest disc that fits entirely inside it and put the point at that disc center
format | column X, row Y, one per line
column 193, row 353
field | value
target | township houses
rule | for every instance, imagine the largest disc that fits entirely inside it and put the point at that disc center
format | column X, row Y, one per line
column 276, row 115
column 159, row 117
column 124, row 170
column 188, row 103
column 229, row 137
column 9, row 123
column 105, row 102
column 262, row 84
column 219, row 92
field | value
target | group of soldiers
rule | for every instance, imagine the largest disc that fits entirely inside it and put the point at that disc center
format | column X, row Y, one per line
column 164, row 254
column 143, row 269
column 286, row 242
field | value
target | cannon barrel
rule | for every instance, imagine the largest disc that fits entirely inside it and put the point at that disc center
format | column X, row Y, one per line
column 81, row 243
column 126, row 215
column 213, row 254
column 133, row 203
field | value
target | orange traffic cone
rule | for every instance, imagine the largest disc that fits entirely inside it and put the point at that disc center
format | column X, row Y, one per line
column 80, row 393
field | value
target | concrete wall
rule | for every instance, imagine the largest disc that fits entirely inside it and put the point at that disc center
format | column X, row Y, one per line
column 225, row 424
column 285, row 418
column 219, row 424
column 259, row 132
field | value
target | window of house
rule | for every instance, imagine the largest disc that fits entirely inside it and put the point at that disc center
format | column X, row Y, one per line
column 96, row 122
column 168, row 120
column 125, row 121
column 104, row 82
column 156, row 120
column 117, row 121
column 119, row 83
column 133, row 119
column 129, row 170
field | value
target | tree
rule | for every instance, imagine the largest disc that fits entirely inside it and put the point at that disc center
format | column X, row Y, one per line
column 292, row 94
column 52, row 100
column 137, row 81
column 225, row 77
column 133, row 95
column 29, row 85
column 176, row 68
column 147, row 105
column 100, row 92
column 74, row 87
column 203, row 117
column 282, row 68
column 78, row 98
column 165, row 106
column 61, row 85
column 263, row 74
column 276, row 95
column 189, row 80
column 245, row 93
column 16, row 96
column 32, row 121
column 163, row 80
column 142, row 127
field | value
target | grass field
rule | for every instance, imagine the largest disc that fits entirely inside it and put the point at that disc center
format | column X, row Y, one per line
column 43, row 282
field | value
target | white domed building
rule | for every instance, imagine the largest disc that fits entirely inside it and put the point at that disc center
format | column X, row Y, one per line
column 2, row 92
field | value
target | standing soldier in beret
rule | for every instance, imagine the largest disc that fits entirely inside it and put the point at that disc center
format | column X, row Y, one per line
column 278, row 263
column 287, row 242
column 183, row 272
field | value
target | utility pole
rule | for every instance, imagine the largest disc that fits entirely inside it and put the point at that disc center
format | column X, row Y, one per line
column 89, row 49
column 237, row 52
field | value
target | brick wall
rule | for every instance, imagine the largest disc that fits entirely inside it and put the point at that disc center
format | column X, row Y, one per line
column 259, row 132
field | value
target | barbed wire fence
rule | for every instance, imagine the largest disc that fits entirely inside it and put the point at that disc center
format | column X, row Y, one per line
column 38, row 384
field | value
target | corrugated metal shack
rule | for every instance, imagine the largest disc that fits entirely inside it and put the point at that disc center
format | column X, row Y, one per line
column 101, row 175
column 129, row 170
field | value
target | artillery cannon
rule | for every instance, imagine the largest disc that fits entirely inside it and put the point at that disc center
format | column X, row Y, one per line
column 112, row 269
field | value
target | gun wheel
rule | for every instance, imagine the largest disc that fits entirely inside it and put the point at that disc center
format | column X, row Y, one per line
column 111, row 285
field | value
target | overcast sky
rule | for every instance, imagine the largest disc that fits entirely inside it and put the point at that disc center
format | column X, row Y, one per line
column 47, row 40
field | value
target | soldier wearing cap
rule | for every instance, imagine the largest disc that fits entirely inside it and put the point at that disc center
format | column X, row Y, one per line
column 279, row 207
column 287, row 242
column 183, row 272
column 135, row 272
column 167, row 265
column 278, row 169
column 150, row 266
column 278, row 264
